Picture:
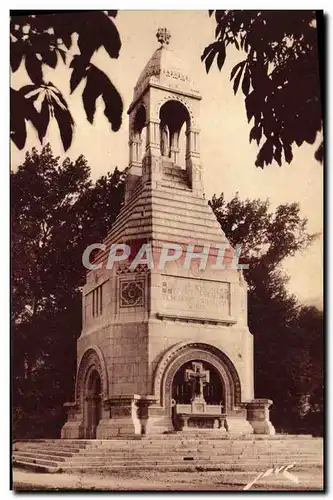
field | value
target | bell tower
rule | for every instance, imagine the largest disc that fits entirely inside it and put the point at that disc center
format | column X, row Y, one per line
column 165, row 106
column 165, row 345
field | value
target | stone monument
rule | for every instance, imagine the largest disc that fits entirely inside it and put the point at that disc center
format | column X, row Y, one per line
column 164, row 348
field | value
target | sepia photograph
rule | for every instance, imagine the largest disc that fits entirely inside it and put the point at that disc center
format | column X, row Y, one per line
column 166, row 241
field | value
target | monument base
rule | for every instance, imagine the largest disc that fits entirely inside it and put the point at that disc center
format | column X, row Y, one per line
column 258, row 416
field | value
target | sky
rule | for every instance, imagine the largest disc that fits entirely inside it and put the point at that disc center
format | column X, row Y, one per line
column 227, row 157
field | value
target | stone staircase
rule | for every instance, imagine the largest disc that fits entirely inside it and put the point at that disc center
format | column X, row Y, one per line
column 169, row 454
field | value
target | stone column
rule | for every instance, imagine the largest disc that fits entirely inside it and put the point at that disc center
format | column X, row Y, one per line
column 258, row 416
column 134, row 170
column 193, row 166
column 143, row 404
column 152, row 161
column 174, row 148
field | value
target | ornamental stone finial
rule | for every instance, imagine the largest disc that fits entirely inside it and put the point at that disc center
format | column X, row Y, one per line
column 163, row 36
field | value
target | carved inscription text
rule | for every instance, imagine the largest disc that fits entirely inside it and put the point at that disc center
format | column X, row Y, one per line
column 196, row 295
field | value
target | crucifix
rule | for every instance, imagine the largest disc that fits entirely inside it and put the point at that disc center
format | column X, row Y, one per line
column 198, row 376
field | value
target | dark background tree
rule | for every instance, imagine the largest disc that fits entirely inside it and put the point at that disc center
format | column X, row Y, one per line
column 56, row 212
column 288, row 338
column 279, row 76
column 39, row 40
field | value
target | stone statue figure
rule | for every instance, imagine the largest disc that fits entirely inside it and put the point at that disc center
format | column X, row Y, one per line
column 165, row 140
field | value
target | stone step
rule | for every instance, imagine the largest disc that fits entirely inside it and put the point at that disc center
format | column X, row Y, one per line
column 149, row 450
column 218, row 445
column 171, row 194
column 181, row 466
column 159, row 457
column 38, row 461
column 58, row 448
column 172, row 168
column 175, row 174
column 156, row 452
column 102, row 461
column 143, row 445
column 174, row 185
column 140, row 454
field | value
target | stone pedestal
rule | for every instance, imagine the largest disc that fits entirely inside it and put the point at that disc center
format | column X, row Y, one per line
column 73, row 428
column 237, row 425
column 258, row 416
column 125, row 415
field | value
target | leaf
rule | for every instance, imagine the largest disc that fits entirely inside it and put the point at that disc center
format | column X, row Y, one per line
column 62, row 55
column 256, row 133
column 254, row 105
column 246, row 81
column 319, row 154
column 221, row 56
column 99, row 84
column 28, row 110
column 110, row 38
column 277, row 154
column 113, row 107
column 90, row 94
column 207, row 50
column 44, row 118
column 21, row 109
column 66, row 40
column 288, row 154
column 50, row 58
column 18, row 131
column 237, row 80
column 209, row 59
column 65, row 123
column 79, row 66
column 58, row 94
column 34, row 68
column 16, row 55
column 236, row 68
column 26, row 89
column 265, row 154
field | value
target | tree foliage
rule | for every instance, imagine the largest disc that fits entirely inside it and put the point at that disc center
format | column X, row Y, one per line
column 288, row 342
column 56, row 212
column 278, row 76
column 42, row 40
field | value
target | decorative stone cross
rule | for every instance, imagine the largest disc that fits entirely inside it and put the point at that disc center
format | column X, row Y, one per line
column 163, row 36
column 198, row 376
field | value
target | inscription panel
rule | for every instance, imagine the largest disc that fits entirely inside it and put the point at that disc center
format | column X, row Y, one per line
column 193, row 296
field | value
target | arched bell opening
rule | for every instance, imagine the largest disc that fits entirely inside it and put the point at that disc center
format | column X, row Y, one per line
column 174, row 123
column 138, row 140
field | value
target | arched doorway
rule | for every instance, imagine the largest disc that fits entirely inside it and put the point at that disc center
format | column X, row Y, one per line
column 93, row 404
column 223, row 387
column 182, row 386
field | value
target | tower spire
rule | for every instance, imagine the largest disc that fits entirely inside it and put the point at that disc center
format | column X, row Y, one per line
column 163, row 35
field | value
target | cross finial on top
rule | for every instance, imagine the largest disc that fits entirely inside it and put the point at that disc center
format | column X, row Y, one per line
column 163, row 36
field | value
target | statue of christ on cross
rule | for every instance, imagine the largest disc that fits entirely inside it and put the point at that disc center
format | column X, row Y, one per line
column 198, row 376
